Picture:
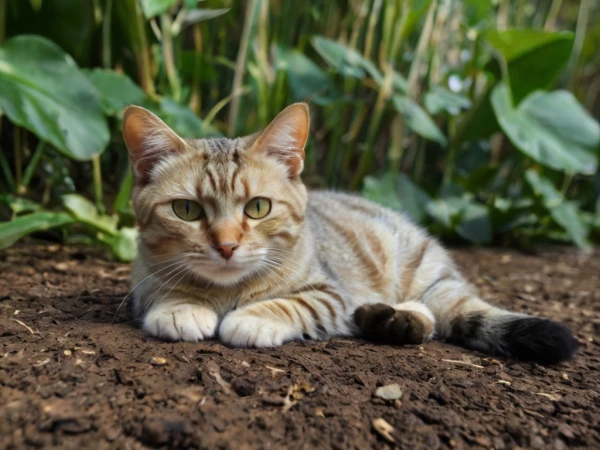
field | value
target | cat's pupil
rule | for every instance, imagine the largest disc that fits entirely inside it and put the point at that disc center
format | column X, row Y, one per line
column 187, row 206
column 258, row 206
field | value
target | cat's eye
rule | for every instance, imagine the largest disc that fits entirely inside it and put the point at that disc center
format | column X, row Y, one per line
column 257, row 208
column 188, row 209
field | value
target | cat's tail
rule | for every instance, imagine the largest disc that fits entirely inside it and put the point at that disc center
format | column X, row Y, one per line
column 478, row 325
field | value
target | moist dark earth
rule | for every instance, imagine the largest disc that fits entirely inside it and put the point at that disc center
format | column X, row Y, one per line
column 76, row 373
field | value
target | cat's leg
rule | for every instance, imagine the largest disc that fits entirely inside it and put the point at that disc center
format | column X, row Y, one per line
column 400, row 324
column 179, row 319
column 314, row 313
column 464, row 318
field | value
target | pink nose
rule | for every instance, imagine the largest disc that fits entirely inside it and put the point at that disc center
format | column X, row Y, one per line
column 226, row 249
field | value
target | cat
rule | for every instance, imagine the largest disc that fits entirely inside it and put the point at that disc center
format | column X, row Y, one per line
column 232, row 245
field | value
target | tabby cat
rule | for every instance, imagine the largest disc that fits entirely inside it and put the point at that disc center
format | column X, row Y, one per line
column 233, row 246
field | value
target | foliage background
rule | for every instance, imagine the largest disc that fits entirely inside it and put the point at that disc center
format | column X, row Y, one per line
column 476, row 117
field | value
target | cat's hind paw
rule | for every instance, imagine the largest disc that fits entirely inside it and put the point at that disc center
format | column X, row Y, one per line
column 382, row 322
column 242, row 329
column 181, row 322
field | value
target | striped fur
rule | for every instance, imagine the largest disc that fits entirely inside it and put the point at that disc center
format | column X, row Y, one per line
column 318, row 265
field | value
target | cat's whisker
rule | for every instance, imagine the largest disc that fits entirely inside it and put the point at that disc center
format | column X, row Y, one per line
column 138, row 284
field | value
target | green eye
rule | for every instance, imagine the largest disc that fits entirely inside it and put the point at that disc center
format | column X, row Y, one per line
column 257, row 208
column 187, row 209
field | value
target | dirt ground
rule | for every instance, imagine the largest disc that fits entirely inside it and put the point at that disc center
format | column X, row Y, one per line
column 71, row 378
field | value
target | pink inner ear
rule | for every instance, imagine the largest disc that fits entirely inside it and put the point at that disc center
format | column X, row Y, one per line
column 148, row 139
column 286, row 136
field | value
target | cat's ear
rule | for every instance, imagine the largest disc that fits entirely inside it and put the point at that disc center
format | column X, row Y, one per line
column 148, row 139
column 286, row 136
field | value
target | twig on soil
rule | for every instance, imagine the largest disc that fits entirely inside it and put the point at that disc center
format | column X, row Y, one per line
column 552, row 397
column 28, row 328
column 464, row 363
column 215, row 371
column 384, row 429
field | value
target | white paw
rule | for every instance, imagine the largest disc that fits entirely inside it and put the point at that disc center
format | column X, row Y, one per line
column 181, row 322
column 240, row 329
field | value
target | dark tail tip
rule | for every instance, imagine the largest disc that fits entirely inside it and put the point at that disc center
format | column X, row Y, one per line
column 539, row 340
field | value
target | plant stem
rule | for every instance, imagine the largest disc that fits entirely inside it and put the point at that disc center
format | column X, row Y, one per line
column 452, row 152
column 210, row 116
column 35, row 159
column 552, row 15
column 2, row 20
column 106, row 41
column 169, row 56
column 371, row 28
column 122, row 199
column 196, row 97
column 5, row 165
column 566, row 183
column 143, row 52
column 18, row 158
column 240, row 65
column 420, row 53
column 396, row 146
column 97, row 175
column 380, row 104
column 585, row 9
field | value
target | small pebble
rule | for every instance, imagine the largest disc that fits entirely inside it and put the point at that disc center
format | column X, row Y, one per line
column 389, row 392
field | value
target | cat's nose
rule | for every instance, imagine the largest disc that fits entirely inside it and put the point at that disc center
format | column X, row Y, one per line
column 226, row 249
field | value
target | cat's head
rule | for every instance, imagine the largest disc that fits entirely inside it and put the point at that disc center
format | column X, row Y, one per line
column 228, row 208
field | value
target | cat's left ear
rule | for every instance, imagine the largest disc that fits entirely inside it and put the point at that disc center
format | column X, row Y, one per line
column 286, row 136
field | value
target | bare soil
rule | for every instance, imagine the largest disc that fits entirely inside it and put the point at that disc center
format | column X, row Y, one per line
column 71, row 378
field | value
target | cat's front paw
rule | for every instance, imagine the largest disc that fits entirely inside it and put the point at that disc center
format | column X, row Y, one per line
column 181, row 322
column 242, row 329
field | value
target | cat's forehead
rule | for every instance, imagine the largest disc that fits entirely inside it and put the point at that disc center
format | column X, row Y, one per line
column 221, row 150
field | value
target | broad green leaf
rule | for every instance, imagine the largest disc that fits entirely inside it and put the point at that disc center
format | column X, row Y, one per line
column 85, row 212
column 116, row 90
column 445, row 211
column 123, row 245
column 417, row 119
column 11, row 232
column 475, row 225
column 477, row 11
column 440, row 100
column 552, row 128
column 382, row 190
column 154, row 8
column 397, row 192
column 42, row 89
column 348, row 62
column 305, row 78
column 567, row 216
column 480, row 120
column 469, row 219
column 564, row 213
column 534, row 58
column 183, row 120
column 19, row 205
column 199, row 15
column 399, row 82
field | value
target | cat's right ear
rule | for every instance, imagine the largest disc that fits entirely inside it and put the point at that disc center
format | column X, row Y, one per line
column 148, row 139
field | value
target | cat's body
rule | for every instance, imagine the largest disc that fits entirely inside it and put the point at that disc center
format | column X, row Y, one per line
column 315, row 265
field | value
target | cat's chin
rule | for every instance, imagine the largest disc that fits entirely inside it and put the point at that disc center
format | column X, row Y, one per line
column 228, row 275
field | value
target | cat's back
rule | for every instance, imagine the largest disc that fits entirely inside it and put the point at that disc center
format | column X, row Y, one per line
column 361, row 244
